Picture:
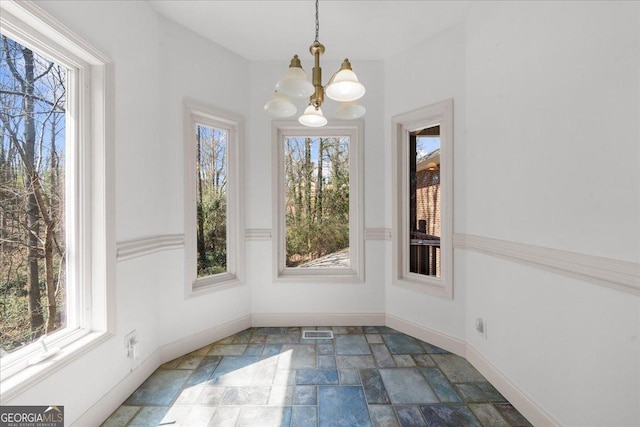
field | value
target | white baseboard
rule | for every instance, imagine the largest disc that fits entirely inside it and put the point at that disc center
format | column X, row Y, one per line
column 437, row 338
column 518, row 398
column 108, row 403
column 317, row 319
column 195, row 341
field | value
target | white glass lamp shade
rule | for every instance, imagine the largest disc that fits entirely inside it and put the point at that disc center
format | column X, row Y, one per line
column 295, row 83
column 345, row 87
column 350, row 111
column 313, row 117
column 280, row 106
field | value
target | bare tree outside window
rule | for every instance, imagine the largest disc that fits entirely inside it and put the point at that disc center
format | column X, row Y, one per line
column 32, row 199
column 317, row 201
column 211, row 168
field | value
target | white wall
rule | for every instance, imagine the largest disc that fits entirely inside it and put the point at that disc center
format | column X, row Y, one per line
column 157, row 65
column 427, row 73
column 553, row 105
column 269, row 298
column 192, row 68
column 552, row 160
column 547, row 154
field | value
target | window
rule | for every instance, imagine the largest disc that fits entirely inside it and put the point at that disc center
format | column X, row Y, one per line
column 211, row 204
column 55, row 212
column 213, row 222
column 318, row 218
column 425, row 228
column 32, row 189
column 423, row 218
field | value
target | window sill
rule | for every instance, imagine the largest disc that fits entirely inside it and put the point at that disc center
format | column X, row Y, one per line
column 215, row 283
column 317, row 275
column 28, row 377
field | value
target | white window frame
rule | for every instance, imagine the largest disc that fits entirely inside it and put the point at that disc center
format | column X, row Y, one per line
column 89, row 195
column 355, row 272
column 196, row 113
column 437, row 114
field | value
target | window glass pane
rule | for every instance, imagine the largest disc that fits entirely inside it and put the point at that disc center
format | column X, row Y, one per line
column 33, row 245
column 317, row 201
column 211, row 167
column 424, row 202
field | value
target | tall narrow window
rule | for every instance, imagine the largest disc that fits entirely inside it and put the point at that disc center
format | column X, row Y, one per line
column 33, row 240
column 424, row 202
column 211, row 165
column 423, row 215
column 57, row 251
column 318, row 218
column 213, row 206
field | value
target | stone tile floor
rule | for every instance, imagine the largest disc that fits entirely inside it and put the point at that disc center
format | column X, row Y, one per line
column 365, row 376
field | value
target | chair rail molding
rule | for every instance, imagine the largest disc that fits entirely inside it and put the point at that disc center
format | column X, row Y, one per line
column 621, row 275
column 377, row 234
column 135, row 248
column 257, row 234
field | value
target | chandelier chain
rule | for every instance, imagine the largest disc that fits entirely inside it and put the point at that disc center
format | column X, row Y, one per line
column 317, row 24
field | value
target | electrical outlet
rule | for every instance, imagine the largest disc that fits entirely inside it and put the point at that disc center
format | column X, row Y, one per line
column 481, row 327
column 131, row 345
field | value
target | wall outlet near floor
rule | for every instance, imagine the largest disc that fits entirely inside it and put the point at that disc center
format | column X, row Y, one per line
column 481, row 327
column 131, row 345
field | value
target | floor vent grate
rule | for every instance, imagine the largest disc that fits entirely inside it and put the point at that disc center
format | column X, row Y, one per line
column 317, row 335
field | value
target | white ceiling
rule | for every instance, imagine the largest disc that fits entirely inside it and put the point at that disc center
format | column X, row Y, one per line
column 275, row 30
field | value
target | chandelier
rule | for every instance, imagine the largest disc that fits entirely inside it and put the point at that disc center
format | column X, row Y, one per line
column 343, row 87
